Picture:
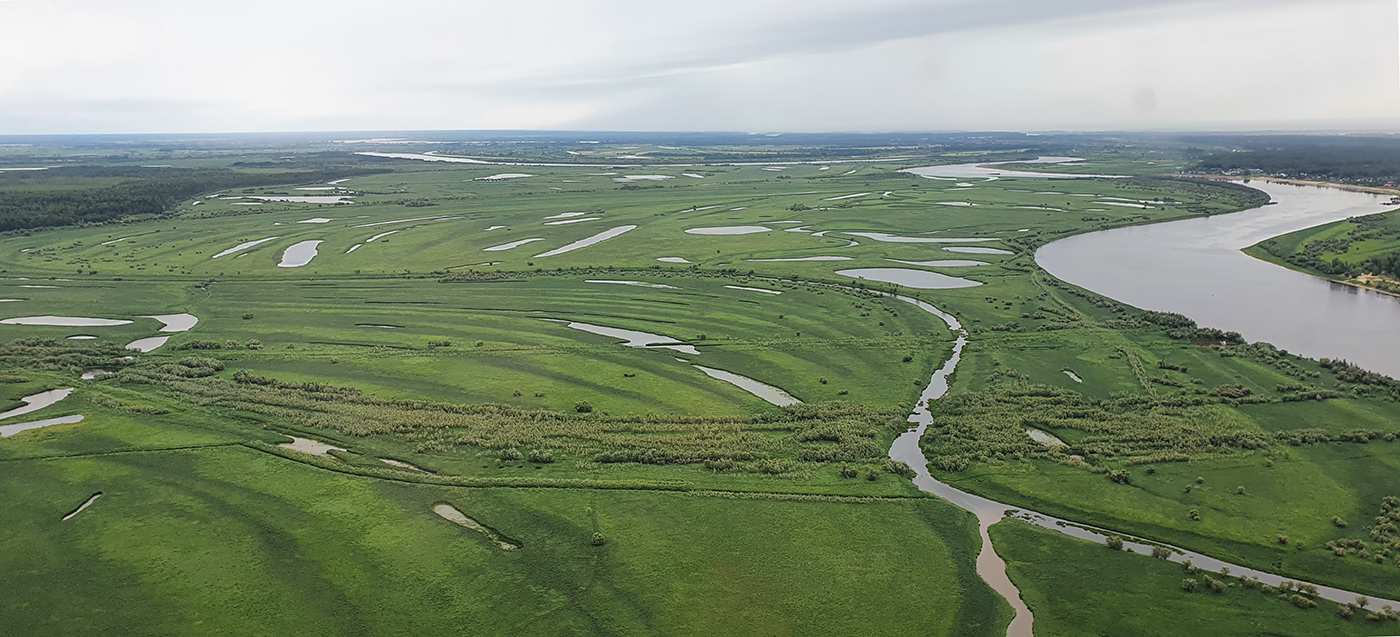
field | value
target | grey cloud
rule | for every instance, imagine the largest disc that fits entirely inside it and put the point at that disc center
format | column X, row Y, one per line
column 852, row 28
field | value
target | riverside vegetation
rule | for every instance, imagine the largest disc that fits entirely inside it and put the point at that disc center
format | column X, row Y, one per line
column 1363, row 251
column 643, row 495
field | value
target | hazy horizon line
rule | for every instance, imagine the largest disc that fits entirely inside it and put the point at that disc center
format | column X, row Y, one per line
column 1339, row 131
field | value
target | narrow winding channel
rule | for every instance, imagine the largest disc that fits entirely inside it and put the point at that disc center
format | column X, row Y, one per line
column 990, row 567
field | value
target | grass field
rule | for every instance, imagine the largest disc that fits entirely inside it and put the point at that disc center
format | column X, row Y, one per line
column 716, row 508
column 231, row 540
column 1081, row 588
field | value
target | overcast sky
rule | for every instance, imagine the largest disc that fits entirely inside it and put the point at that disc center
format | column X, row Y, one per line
column 90, row 66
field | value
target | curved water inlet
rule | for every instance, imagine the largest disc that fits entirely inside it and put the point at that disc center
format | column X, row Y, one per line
column 990, row 566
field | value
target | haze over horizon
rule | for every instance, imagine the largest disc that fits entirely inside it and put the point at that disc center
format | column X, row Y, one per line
column 886, row 65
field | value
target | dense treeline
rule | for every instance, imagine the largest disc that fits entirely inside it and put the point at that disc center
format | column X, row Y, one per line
column 1363, row 160
column 49, row 198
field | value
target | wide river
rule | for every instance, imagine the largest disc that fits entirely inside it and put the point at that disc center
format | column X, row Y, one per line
column 1195, row 267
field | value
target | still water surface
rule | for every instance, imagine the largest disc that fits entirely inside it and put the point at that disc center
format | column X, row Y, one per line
column 1195, row 267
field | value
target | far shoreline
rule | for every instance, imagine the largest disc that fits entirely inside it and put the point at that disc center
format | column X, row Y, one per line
column 1300, row 182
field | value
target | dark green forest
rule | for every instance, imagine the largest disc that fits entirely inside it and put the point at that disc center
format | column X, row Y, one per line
column 46, row 199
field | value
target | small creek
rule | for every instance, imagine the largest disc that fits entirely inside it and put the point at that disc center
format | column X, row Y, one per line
column 990, row 566
column 767, row 392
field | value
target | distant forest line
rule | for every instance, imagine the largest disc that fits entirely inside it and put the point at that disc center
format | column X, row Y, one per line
column 46, row 198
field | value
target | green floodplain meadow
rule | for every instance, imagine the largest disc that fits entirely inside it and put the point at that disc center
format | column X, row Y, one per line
column 639, row 494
